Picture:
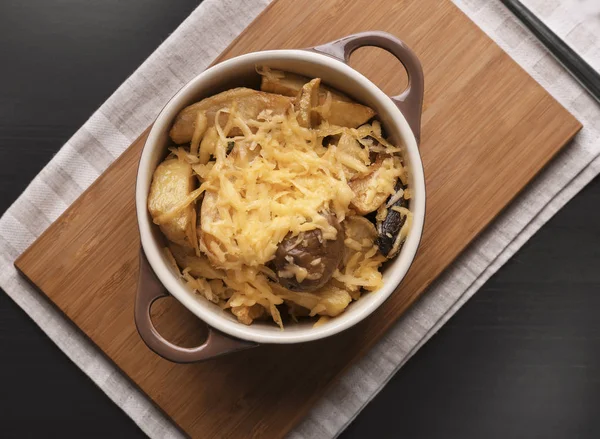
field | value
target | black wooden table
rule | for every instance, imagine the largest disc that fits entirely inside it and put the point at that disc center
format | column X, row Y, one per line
column 521, row 359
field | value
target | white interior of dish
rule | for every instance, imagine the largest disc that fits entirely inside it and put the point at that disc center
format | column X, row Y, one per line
column 240, row 71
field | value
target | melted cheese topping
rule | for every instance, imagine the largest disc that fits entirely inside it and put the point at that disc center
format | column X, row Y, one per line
column 278, row 179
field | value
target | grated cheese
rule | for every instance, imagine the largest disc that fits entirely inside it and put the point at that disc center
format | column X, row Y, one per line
column 255, row 197
column 277, row 178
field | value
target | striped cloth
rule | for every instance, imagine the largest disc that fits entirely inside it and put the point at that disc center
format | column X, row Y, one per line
column 191, row 48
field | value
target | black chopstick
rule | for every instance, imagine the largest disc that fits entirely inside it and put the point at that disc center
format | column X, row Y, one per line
column 579, row 69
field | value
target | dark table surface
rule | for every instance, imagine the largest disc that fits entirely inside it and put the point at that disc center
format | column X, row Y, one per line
column 521, row 359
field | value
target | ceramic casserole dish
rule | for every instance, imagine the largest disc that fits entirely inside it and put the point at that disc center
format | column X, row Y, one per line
column 400, row 116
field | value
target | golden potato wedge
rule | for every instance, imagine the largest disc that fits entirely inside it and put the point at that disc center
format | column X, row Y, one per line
column 360, row 229
column 290, row 84
column 373, row 189
column 249, row 103
column 333, row 301
column 326, row 301
column 199, row 266
column 171, row 184
column 307, row 100
column 283, row 83
column 348, row 114
column 247, row 314
column 343, row 111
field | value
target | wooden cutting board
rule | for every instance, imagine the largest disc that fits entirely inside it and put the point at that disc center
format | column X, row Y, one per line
column 488, row 129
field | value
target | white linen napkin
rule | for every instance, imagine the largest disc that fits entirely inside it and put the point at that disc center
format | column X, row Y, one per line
column 190, row 49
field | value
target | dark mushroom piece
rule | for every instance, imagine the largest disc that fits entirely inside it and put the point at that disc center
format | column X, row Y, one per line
column 305, row 263
column 388, row 228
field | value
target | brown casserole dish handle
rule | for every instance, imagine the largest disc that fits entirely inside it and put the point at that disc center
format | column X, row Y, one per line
column 150, row 289
column 410, row 101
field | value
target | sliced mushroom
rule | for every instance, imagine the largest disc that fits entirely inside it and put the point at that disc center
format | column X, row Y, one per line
column 171, row 184
column 360, row 230
column 307, row 100
column 361, row 235
column 306, row 262
column 389, row 224
column 249, row 103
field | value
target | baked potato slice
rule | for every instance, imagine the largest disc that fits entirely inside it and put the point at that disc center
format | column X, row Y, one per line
column 348, row 114
column 333, row 301
column 343, row 111
column 247, row 314
column 199, row 265
column 353, row 156
column 249, row 103
column 372, row 190
column 172, row 182
column 327, row 301
column 290, row 84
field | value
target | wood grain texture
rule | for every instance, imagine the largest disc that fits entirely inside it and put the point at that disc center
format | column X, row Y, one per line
column 488, row 128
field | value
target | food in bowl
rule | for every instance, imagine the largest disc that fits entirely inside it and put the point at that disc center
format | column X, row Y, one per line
column 281, row 203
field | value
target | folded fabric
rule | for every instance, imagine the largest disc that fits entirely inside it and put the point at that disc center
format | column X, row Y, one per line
column 189, row 50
